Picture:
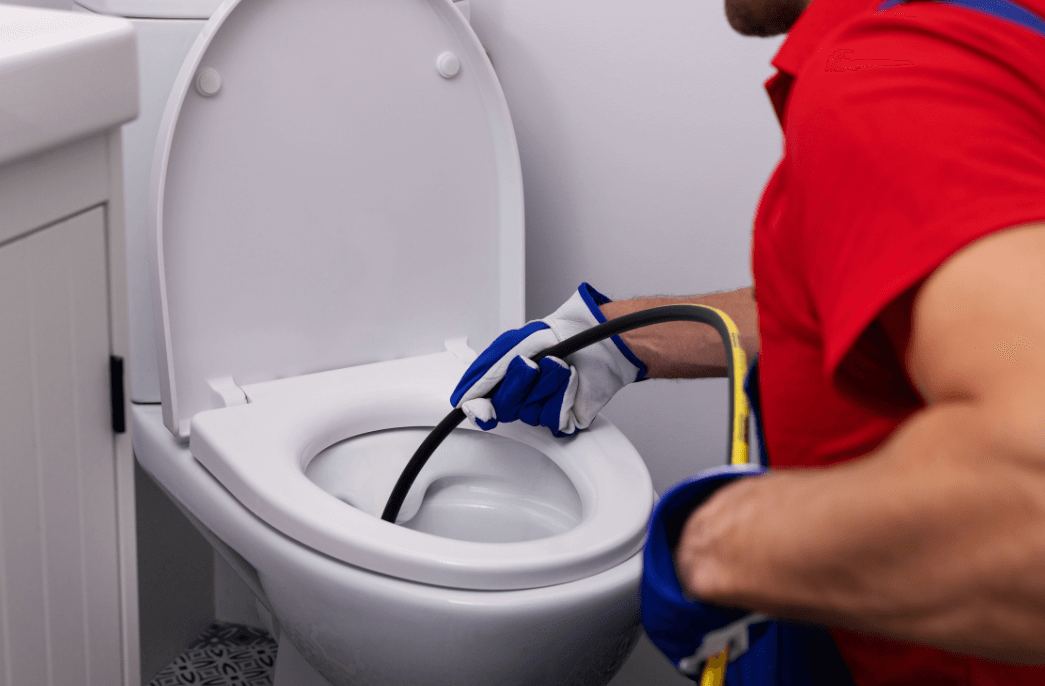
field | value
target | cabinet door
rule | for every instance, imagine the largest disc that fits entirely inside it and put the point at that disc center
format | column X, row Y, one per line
column 59, row 573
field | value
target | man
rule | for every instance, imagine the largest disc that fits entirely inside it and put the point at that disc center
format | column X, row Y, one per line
column 899, row 269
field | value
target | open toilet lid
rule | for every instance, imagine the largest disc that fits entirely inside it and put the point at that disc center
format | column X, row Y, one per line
column 327, row 192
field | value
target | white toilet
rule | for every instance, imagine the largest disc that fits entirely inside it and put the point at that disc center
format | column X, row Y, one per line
column 336, row 202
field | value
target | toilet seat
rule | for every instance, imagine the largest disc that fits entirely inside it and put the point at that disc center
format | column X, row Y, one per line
column 259, row 451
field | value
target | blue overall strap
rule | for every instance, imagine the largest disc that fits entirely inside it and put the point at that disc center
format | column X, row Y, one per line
column 754, row 398
column 1002, row 9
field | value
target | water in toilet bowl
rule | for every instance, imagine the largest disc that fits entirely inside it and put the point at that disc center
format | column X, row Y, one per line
column 482, row 487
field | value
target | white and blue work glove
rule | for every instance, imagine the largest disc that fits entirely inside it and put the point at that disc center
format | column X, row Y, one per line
column 688, row 631
column 563, row 397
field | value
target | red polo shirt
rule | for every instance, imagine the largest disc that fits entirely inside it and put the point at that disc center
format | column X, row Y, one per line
column 909, row 133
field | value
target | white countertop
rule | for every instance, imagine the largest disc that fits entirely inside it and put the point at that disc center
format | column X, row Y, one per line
column 63, row 76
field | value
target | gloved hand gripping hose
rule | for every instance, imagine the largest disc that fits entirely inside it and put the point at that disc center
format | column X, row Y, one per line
column 737, row 452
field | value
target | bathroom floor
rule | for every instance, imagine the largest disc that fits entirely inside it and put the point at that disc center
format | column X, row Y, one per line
column 223, row 655
column 237, row 655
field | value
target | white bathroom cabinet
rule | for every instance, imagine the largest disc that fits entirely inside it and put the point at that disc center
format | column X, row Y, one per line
column 68, row 585
column 68, row 582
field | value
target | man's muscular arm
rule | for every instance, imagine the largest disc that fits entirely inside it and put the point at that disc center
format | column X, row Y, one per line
column 938, row 536
column 686, row 349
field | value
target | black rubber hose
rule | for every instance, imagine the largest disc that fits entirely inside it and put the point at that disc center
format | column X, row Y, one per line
column 600, row 332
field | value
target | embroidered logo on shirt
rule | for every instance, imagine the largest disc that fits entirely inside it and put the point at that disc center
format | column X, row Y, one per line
column 840, row 60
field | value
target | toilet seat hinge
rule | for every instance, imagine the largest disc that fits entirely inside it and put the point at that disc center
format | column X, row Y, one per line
column 460, row 349
column 225, row 392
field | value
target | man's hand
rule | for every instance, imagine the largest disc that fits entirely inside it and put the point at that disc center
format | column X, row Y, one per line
column 938, row 536
column 562, row 397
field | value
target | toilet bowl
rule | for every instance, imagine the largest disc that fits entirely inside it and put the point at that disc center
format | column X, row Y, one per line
column 335, row 202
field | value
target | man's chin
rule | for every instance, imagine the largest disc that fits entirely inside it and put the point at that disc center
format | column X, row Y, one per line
column 763, row 17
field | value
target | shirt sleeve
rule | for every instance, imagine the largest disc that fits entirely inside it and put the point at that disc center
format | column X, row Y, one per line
column 911, row 134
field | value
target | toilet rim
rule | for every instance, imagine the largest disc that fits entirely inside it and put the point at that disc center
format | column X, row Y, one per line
column 259, row 452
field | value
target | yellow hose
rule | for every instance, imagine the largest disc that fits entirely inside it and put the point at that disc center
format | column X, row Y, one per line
column 715, row 670
column 714, row 673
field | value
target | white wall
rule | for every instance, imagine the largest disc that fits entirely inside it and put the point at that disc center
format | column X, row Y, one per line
column 646, row 138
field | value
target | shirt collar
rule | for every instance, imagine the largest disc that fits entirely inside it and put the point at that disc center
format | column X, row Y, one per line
column 803, row 41
column 818, row 19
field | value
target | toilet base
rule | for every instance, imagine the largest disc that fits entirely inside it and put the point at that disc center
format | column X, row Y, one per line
column 350, row 622
column 292, row 669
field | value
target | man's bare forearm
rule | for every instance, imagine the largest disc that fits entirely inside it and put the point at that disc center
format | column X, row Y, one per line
column 938, row 537
column 685, row 349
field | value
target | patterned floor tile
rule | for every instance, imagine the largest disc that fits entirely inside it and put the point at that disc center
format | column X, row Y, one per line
column 223, row 655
